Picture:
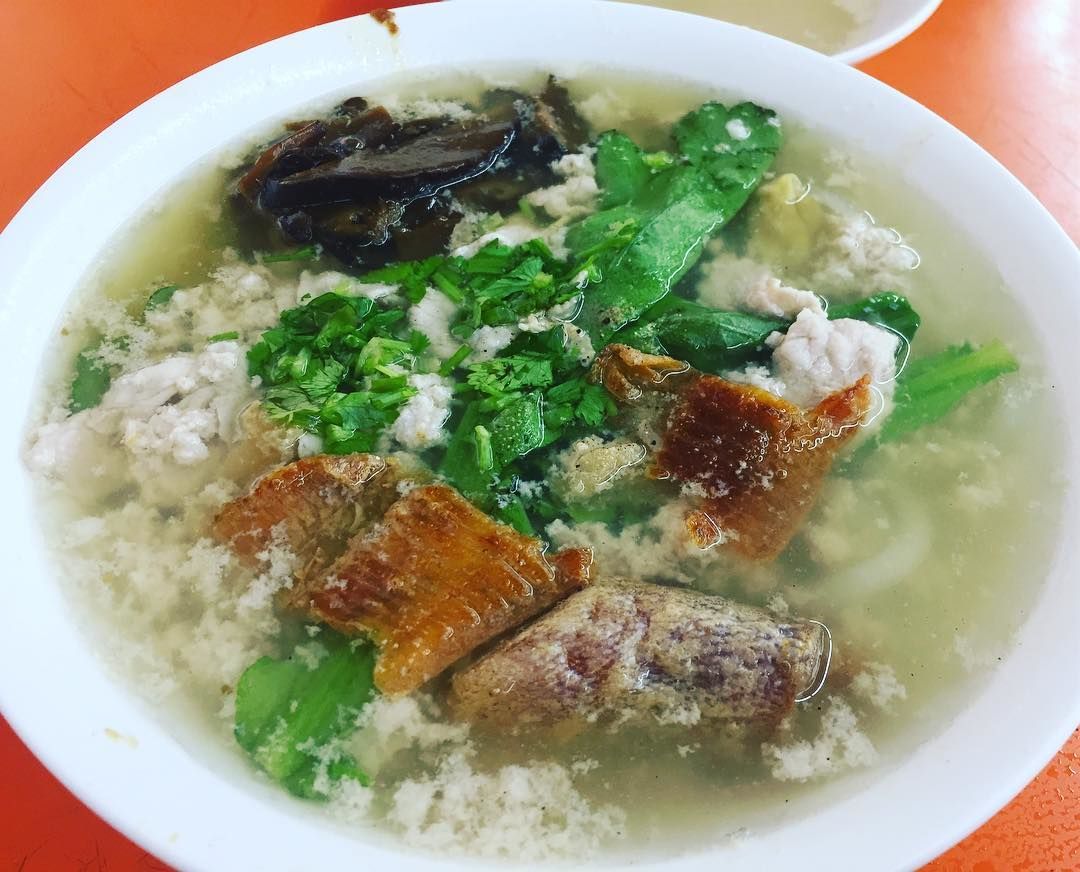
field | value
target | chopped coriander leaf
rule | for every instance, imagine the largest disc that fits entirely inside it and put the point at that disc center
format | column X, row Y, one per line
column 519, row 279
column 223, row 337
column 503, row 375
column 380, row 352
column 577, row 402
column 308, row 252
column 330, row 366
column 492, row 259
column 418, row 341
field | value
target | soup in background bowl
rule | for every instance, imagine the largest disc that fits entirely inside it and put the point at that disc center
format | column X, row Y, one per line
column 849, row 30
column 929, row 557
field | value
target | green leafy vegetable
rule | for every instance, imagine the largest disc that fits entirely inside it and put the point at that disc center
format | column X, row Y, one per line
column 92, row 379
column 887, row 310
column 708, row 339
column 288, row 714
column 713, row 340
column 930, row 388
column 517, row 430
column 459, row 465
column 724, row 154
column 160, row 297
column 621, row 169
column 222, row 337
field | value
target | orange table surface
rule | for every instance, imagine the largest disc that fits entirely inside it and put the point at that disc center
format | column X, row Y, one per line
column 1006, row 72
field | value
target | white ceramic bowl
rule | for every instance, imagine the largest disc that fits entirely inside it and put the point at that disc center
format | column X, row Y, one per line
column 893, row 21
column 198, row 816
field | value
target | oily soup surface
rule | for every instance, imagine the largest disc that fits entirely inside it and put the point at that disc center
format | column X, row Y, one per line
column 920, row 556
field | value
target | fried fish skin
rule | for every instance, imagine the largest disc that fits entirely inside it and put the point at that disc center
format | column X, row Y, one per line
column 311, row 506
column 435, row 579
column 627, row 653
column 755, row 461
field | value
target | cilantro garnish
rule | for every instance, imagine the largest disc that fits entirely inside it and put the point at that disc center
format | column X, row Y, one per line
column 334, row 367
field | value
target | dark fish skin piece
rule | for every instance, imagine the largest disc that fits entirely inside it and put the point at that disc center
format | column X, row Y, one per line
column 628, row 653
column 434, row 580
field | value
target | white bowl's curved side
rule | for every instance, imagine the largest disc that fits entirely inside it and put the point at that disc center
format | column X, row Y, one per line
column 895, row 21
column 61, row 700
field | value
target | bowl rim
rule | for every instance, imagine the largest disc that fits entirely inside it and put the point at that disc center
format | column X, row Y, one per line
column 900, row 31
column 112, row 783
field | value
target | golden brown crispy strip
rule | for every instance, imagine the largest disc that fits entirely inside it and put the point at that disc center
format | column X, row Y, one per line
column 314, row 504
column 436, row 579
column 756, row 461
column 626, row 653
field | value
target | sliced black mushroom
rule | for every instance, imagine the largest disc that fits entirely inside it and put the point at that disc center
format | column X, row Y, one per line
column 370, row 189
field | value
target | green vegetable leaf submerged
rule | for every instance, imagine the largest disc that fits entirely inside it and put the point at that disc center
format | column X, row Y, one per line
column 91, row 382
column 930, row 388
column 160, row 297
column 622, row 169
column 291, row 713
column 517, row 429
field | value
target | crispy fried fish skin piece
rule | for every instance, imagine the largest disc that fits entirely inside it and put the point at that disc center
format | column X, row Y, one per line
column 630, row 653
column 755, row 461
column 758, row 460
column 314, row 505
column 434, row 580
